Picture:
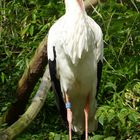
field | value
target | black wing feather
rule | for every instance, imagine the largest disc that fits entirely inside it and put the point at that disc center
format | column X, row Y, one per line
column 56, row 88
column 99, row 74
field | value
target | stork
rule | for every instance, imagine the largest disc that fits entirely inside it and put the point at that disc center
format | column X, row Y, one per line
column 75, row 56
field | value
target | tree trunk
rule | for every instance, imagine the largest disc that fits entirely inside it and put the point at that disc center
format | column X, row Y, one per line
column 31, row 112
column 27, row 83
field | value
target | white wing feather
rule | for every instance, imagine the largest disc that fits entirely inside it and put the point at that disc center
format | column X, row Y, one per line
column 98, row 37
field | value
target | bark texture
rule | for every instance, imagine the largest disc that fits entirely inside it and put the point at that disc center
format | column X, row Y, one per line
column 37, row 103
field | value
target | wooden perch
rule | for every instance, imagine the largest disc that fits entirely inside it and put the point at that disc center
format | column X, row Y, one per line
column 27, row 83
column 31, row 112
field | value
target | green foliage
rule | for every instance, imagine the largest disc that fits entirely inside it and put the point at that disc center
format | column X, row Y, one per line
column 120, row 116
column 24, row 23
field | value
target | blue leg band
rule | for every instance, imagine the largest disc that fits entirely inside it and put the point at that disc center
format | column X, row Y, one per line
column 68, row 105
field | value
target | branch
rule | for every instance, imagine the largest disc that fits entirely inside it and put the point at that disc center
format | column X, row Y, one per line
column 27, row 83
column 31, row 112
column 90, row 3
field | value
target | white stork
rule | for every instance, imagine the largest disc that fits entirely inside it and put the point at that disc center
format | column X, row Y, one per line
column 75, row 54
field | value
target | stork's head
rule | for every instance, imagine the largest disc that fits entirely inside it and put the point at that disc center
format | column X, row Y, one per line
column 74, row 6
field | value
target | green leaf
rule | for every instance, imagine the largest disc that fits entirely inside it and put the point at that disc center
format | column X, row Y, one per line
column 44, row 28
column 24, row 31
column 31, row 30
column 98, row 137
column 4, row 109
column 136, row 88
column 2, row 77
column 122, row 114
column 110, row 138
column 34, row 17
column 57, row 137
column 133, row 117
column 65, row 137
column 111, row 85
column 111, row 114
column 8, row 52
column 101, row 119
column 51, row 135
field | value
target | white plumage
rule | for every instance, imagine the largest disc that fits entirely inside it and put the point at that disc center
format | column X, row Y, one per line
column 75, row 43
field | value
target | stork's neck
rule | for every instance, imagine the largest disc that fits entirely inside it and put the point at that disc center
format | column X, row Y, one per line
column 74, row 6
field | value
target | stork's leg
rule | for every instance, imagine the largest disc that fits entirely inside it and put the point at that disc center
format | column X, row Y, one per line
column 69, row 116
column 86, row 110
